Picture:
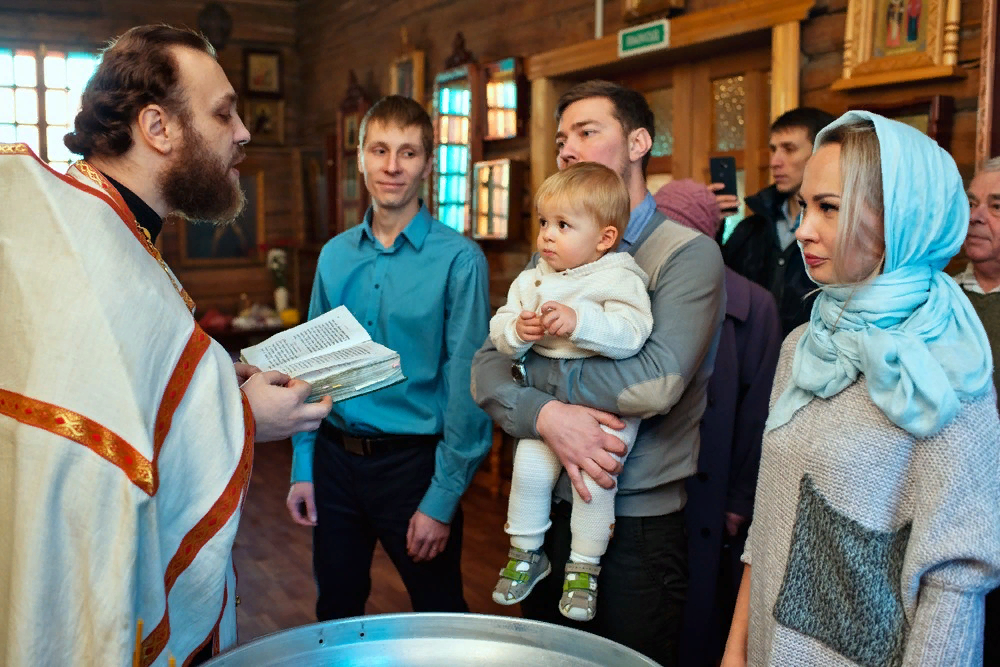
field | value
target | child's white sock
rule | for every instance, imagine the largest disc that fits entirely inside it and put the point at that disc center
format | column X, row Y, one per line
column 575, row 557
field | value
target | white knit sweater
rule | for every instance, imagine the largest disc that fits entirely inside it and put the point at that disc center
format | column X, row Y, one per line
column 609, row 297
column 870, row 546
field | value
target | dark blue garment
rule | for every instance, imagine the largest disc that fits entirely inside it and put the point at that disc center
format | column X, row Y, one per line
column 427, row 298
column 731, row 431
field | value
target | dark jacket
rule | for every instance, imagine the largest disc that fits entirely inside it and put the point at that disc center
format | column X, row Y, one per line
column 753, row 252
column 731, row 431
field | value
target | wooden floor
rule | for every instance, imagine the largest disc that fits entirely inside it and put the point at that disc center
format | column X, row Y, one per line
column 273, row 556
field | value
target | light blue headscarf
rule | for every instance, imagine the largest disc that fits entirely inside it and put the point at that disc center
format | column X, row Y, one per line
column 911, row 331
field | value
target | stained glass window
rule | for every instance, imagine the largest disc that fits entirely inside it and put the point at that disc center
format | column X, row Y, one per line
column 491, row 199
column 39, row 98
column 501, row 100
column 662, row 103
column 454, row 107
column 729, row 100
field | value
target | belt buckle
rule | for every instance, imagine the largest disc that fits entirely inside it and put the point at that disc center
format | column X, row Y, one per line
column 356, row 446
column 518, row 372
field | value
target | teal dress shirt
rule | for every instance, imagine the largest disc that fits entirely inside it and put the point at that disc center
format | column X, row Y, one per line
column 426, row 297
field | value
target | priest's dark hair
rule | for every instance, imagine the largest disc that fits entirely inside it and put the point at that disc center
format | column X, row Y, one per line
column 402, row 112
column 137, row 69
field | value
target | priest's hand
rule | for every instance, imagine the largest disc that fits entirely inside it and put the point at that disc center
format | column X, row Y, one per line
column 574, row 434
column 279, row 406
column 426, row 537
column 301, row 496
column 244, row 371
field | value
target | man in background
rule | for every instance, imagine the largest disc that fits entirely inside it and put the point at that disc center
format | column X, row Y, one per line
column 981, row 283
column 762, row 247
column 392, row 466
column 126, row 441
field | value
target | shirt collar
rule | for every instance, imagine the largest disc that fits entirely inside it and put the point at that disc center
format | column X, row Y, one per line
column 415, row 232
column 967, row 281
column 145, row 216
column 638, row 220
column 786, row 210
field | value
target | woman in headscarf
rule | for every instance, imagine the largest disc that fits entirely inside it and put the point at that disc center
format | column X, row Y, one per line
column 875, row 534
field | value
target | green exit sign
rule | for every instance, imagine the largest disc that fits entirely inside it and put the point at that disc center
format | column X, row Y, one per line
column 642, row 38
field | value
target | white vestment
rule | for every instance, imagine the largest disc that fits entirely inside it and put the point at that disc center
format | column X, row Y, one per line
column 125, row 442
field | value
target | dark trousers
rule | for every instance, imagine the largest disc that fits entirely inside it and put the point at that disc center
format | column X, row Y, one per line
column 641, row 588
column 361, row 499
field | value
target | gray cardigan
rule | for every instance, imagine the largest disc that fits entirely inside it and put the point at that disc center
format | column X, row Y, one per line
column 665, row 383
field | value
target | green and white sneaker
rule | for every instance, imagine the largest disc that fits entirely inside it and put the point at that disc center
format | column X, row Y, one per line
column 579, row 598
column 523, row 571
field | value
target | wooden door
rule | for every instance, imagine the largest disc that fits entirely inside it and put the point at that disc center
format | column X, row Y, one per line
column 717, row 106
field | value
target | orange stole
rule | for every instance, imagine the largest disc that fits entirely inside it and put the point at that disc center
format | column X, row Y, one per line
column 84, row 431
column 200, row 534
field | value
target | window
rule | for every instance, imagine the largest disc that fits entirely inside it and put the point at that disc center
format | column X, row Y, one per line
column 40, row 93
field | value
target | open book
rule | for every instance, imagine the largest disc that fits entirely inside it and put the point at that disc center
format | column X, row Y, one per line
column 333, row 353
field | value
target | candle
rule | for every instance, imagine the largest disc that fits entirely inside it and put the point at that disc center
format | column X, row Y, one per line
column 138, row 644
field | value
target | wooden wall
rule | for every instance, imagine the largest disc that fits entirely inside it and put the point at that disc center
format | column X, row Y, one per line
column 823, row 44
column 270, row 24
column 335, row 37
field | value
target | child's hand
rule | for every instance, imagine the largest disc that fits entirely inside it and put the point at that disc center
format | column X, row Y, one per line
column 529, row 326
column 558, row 320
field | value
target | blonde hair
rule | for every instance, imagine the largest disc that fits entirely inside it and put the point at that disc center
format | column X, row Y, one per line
column 860, row 251
column 592, row 189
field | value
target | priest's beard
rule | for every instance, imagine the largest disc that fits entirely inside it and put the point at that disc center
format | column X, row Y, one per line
column 197, row 184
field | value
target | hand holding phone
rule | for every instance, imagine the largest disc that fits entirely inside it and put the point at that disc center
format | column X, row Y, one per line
column 723, row 173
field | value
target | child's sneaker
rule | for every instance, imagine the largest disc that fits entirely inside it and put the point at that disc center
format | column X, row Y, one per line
column 579, row 598
column 523, row 571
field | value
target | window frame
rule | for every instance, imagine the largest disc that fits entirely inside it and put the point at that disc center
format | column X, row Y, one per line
column 40, row 50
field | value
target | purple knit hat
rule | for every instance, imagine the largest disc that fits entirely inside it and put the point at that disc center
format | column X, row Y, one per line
column 690, row 204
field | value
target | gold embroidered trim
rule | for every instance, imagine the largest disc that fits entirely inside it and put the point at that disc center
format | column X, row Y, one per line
column 83, row 431
column 196, row 538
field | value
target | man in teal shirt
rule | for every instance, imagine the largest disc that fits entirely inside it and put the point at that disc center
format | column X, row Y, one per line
column 392, row 465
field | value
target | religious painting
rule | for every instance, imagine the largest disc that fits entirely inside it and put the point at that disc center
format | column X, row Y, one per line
column 900, row 28
column 406, row 76
column 262, row 73
column 209, row 244
column 351, row 122
column 931, row 115
column 265, row 119
column 315, row 207
column 895, row 41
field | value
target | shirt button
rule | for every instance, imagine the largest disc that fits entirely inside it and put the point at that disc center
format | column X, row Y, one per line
column 538, row 283
column 781, row 261
column 376, row 285
column 369, row 322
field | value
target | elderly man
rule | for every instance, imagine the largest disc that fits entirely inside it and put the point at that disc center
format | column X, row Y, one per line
column 981, row 283
column 125, row 440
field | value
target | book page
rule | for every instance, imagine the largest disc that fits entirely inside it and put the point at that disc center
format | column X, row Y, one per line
column 331, row 332
column 330, row 363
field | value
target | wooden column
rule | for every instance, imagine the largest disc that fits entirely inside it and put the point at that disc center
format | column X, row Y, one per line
column 545, row 92
column 785, row 57
column 987, row 123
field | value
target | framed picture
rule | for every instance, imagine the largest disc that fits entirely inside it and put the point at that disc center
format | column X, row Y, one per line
column 931, row 115
column 266, row 121
column 206, row 244
column 315, row 199
column 895, row 41
column 262, row 73
column 406, row 76
column 351, row 122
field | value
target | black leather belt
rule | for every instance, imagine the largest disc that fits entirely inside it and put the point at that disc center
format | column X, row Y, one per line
column 376, row 445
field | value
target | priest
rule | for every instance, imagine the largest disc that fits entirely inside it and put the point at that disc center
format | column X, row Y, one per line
column 126, row 435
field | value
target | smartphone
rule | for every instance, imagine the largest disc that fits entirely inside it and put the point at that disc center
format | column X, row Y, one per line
column 723, row 170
